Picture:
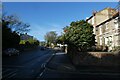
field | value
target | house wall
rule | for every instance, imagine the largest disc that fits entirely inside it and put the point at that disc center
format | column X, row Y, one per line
column 104, row 14
column 107, row 34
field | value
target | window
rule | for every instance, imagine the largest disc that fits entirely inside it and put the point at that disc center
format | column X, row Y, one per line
column 96, row 29
column 106, row 41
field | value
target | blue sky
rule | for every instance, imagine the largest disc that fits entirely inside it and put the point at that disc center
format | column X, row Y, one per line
column 52, row 16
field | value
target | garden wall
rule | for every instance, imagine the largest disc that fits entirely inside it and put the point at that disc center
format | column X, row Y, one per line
column 100, row 54
column 93, row 58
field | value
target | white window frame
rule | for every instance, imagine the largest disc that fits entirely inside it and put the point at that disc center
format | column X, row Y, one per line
column 106, row 25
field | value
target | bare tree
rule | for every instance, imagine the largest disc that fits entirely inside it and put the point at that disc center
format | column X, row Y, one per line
column 51, row 37
column 15, row 24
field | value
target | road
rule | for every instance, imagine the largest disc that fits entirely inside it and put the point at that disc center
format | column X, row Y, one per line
column 37, row 64
column 27, row 65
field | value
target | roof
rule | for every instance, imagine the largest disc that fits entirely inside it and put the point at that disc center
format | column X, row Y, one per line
column 99, row 11
column 89, row 18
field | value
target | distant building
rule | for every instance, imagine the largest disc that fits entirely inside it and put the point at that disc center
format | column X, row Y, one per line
column 25, row 37
column 106, row 27
column 42, row 43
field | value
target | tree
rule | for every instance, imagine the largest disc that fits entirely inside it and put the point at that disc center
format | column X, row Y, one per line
column 51, row 37
column 11, row 28
column 37, row 43
column 60, row 39
column 79, row 34
column 15, row 24
column 9, row 38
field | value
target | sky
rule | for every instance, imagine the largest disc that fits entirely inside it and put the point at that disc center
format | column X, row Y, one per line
column 52, row 16
column 60, row 0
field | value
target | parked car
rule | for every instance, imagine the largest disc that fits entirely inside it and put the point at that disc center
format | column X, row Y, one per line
column 11, row 51
column 42, row 48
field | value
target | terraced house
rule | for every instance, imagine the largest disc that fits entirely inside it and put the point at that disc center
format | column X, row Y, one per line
column 106, row 25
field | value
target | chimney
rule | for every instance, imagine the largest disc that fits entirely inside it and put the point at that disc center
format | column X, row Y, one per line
column 94, row 12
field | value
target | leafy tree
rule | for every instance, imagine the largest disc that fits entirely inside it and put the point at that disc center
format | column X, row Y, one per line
column 61, row 39
column 51, row 37
column 80, row 34
column 36, row 42
column 9, row 38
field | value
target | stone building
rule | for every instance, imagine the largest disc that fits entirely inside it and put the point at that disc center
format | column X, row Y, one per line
column 25, row 36
column 106, row 27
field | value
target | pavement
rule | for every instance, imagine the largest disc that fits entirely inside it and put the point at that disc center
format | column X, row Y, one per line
column 61, row 62
column 60, row 66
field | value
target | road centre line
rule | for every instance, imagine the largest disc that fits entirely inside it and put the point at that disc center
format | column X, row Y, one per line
column 12, row 75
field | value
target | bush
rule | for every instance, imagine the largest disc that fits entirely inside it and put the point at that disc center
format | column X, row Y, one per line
column 98, row 48
column 36, row 43
column 22, row 42
column 27, row 43
column 116, row 50
column 93, row 48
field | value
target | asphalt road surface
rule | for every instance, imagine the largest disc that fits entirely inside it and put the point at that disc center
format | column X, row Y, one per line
column 44, row 64
column 27, row 65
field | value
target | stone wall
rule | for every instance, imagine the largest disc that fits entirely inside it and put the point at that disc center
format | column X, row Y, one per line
column 100, row 54
column 94, row 58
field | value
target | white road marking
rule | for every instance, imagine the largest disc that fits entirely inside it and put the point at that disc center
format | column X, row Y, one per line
column 60, row 53
column 42, row 66
column 12, row 75
column 42, row 73
column 68, row 67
